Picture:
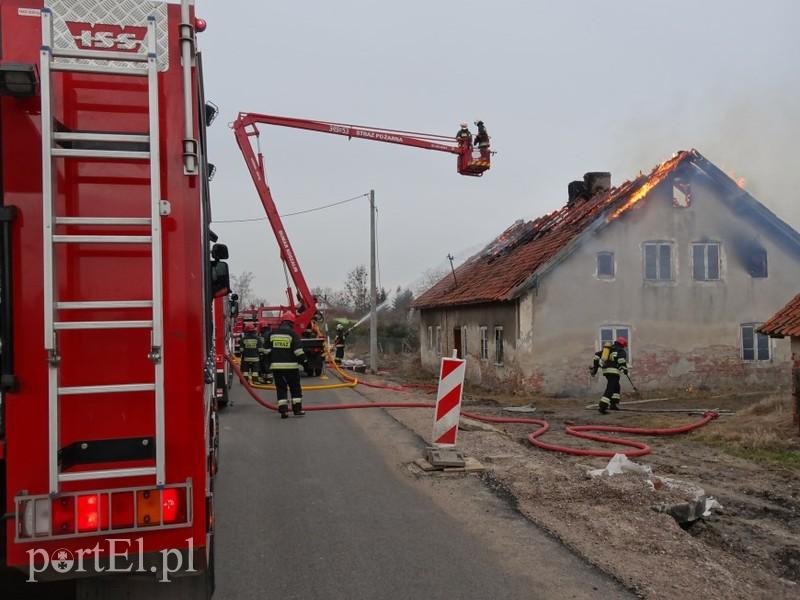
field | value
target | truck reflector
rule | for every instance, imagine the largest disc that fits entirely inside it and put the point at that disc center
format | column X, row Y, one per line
column 75, row 514
column 64, row 515
column 121, row 510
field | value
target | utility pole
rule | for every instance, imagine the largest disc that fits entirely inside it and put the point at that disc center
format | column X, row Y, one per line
column 373, row 288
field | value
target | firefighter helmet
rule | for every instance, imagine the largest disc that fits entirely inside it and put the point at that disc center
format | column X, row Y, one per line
column 249, row 327
column 288, row 316
column 339, row 327
column 622, row 342
column 464, row 126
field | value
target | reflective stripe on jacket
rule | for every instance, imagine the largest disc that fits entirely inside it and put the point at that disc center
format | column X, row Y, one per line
column 284, row 350
column 250, row 343
column 617, row 361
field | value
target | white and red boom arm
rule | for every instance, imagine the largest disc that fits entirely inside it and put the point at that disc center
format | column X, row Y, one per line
column 246, row 126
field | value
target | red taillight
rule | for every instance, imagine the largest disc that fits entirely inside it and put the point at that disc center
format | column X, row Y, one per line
column 92, row 512
column 173, row 501
column 64, row 515
column 122, row 510
column 88, row 513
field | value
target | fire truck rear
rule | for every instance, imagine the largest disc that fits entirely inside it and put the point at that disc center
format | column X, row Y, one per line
column 107, row 424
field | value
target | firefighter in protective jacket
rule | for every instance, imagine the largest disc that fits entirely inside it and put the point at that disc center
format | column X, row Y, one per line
column 612, row 360
column 285, row 353
column 338, row 343
column 250, row 355
column 263, row 361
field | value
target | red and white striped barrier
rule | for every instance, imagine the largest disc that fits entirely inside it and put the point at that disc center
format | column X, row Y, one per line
column 448, row 401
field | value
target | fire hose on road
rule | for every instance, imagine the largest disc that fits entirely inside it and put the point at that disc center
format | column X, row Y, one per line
column 579, row 431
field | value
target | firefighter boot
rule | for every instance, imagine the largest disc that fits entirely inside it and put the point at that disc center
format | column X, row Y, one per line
column 284, row 410
column 614, row 403
column 603, row 406
column 297, row 408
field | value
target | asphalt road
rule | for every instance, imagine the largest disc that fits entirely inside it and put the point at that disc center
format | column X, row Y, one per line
column 321, row 507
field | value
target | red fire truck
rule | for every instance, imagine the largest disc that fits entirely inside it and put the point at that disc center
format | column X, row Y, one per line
column 107, row 424
column 225, row 311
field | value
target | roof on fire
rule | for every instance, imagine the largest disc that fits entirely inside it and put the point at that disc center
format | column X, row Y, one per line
column 784, row 322
column 511, row 263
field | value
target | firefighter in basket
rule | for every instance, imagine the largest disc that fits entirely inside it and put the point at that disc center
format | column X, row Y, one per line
column 482, row 139
column 285, row 355
column 612, row 360
column 464, row 136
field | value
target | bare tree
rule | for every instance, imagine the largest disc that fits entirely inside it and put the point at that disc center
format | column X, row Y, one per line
column 331, row 297
column 430, row 278
column 242, row 284
column 356, row 289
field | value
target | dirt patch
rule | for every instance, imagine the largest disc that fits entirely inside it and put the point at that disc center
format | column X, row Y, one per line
column 748, row 549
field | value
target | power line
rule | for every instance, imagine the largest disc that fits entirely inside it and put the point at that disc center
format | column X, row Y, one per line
column 299, row 212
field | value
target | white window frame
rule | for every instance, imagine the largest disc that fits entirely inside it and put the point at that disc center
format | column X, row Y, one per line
column 438, row 340
column 484, row 349
column 430, row 337
column 614, row 335
column 499, row 351
column 672, row 261
column 705, row 246
column 464, row 350
column 756, row 337
column 613, row 265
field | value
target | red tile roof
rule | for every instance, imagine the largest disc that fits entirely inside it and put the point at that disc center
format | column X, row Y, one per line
column 494, row 274
column 784, row 322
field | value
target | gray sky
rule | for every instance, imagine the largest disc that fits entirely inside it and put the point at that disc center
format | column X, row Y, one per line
column 564, row 87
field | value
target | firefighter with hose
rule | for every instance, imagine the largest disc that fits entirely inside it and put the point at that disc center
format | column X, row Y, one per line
column 338, row 343
column 250, row 354
column 285, row 354
column 612, row 360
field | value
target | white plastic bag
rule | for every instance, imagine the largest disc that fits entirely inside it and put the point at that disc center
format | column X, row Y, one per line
column 620, row 463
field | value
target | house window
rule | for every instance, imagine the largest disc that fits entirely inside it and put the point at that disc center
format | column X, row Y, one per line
column 484, row 342
column 757, row 262
column 658, row 261
column 609, row 333
column 705, row 261
column 430, row 338
column 438, row 340
column 498, row 345
column 605, row 265
column 755, row 346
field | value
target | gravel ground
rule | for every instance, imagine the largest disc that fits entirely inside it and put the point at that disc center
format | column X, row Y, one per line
column 748, row 549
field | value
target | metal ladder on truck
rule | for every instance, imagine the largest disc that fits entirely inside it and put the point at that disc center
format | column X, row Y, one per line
column 53, row 308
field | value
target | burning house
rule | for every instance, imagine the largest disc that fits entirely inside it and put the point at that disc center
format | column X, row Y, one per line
column 682, row 261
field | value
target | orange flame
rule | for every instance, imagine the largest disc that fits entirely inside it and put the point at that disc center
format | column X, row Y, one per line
column 658, row 175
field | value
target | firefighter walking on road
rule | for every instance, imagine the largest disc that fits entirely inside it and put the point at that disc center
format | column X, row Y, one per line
column 285, row 353
column 612, row 360
column 264, row 375
column 250, row 355
column 338, row 343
